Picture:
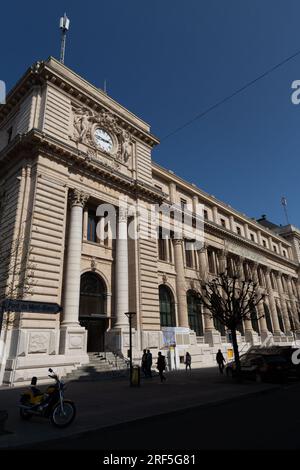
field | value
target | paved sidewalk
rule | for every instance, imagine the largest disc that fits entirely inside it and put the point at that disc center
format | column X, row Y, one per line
column 110, row 402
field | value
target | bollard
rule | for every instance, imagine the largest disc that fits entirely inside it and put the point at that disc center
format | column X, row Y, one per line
column 3, row 418
column 136, row 376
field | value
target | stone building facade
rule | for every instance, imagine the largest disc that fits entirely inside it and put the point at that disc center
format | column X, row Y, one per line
column 66, row 149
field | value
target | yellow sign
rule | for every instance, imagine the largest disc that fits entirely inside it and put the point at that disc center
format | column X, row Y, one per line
column 229, row 353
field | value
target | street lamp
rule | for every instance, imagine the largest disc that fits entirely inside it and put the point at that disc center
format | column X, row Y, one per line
column 130, row 315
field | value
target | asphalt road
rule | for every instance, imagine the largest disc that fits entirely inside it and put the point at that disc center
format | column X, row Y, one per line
column 267, row 421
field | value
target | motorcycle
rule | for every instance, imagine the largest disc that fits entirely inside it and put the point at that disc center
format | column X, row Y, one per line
column 50, row 404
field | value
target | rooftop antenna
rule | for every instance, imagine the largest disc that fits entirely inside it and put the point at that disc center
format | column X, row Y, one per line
column 284, row 204
column 64, row 24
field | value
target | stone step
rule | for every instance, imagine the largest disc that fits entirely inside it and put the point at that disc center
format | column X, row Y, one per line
column 101, row 366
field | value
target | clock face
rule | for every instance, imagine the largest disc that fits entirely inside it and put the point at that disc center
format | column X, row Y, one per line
column 103, row 140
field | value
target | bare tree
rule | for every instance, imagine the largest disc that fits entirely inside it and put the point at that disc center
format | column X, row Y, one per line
column 231, row 301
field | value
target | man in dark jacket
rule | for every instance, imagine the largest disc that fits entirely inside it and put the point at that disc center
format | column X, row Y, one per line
column 144, row 363
column 161, row 365
column 149, row 363
column 220, row 360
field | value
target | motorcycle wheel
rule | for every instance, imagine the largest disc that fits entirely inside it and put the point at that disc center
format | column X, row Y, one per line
column 25, row 415
column 63, row 418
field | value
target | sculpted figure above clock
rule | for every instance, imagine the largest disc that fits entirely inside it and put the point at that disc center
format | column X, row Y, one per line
column 100, row 131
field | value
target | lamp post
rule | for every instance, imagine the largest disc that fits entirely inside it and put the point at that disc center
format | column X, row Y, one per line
column 130, row 315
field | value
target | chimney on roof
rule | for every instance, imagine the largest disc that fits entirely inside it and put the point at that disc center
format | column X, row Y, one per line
column 263, row 217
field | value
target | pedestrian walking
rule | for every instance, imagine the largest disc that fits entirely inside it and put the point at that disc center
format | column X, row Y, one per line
column 161, row 366
column 149, row 363
column 188, row 361
column 144, row 363
column 220, row 360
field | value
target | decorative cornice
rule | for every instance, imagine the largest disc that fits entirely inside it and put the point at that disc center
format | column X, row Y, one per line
column 36, row 142
column 213, row 228
column 51, row 71
column 212, row 201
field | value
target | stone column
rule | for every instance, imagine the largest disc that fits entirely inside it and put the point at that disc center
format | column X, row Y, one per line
column 122, row 271
column 215, row 214
column 264, row 332
column 246, row 229
column 293, row 302
column 109, row 235
column 211, row 335
column 270, row 241
column 195, row 204
column 298, row 285
column 172, row 189
column 203, row 265
column 231, row 223
column 273, row 310
column 85, row 223
column 73, row 336
column 284, row 309
column 249, row 333
column 180, row 284
column 259, row 239
column 240, row 268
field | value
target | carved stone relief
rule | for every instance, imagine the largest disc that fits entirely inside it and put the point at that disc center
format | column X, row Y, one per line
column 38, row 342
column 86, row 121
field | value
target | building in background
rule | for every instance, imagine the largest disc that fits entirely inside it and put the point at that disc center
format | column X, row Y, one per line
column 66, row 148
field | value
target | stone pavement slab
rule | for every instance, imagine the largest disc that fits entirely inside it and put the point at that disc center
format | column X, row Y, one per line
column 106, row 403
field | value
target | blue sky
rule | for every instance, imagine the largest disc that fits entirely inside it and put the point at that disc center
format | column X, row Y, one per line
column 169, row 60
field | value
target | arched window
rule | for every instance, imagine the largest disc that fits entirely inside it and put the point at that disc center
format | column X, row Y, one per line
column 254, row 320
column 240, row 328
column 194, row 312
column 218, row 324
column 166, row 306
column 92, row 295
column 268, row 318
column 280, row 320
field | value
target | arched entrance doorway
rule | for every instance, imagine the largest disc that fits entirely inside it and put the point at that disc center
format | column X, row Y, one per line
column 194, row 312
column 92, row 310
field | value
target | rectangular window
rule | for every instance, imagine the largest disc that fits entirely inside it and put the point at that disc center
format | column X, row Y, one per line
column 183, row 204
column 275, row 248
column 264, row 243
column 205, row 214
column 238, row 230
column 211, row 263
column 223, row 222
column 188, row 254
column 92, row 226
column 162, row 249
column 252, row 237
column 284, row 253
